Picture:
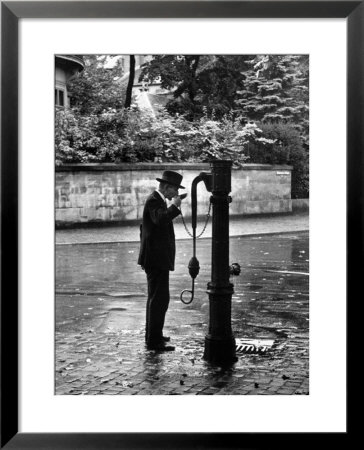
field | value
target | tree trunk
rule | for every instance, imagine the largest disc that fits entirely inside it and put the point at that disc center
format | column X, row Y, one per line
column 193, row 85
column 129, row 89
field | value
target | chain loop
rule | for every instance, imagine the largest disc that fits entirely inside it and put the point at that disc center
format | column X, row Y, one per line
column 205, row 225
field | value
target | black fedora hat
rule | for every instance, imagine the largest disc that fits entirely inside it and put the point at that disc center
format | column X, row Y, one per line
column 171, row 177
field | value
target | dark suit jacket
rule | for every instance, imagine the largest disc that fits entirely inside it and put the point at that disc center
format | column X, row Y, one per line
column 158, row 248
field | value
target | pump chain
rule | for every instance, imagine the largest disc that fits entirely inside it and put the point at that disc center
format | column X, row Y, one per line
column 205, row 225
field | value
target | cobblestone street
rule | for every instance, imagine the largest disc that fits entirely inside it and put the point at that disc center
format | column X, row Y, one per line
column 100, row 314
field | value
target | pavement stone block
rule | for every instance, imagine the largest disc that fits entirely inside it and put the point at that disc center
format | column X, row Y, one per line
column 72, row 380
column 285, row 391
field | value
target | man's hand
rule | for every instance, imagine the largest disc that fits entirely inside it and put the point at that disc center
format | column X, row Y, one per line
column 176, row 201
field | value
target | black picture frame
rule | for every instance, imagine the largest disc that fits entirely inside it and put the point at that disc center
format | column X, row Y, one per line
column 11, row 12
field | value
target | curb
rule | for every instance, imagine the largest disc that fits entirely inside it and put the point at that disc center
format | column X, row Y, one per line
column 267, row 233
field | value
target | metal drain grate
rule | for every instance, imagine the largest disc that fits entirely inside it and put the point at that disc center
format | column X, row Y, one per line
column 253, row 345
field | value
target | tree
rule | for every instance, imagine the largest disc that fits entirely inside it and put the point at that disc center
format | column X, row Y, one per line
column 177, row 73
column 285, row 147
column 199, row 83
column 129, row 88
column 276, row 90
column 90, row 131
column 219, row 80
column 96, row 89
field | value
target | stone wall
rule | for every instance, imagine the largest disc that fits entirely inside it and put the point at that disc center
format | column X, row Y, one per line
column 300, row 205
column 109, row 193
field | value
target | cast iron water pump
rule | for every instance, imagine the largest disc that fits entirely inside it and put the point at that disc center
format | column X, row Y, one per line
column 220, row 341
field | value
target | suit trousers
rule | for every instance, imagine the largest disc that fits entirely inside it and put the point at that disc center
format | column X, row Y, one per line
column 157, row 303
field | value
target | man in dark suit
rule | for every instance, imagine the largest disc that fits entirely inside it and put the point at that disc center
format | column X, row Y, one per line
column 157, row 254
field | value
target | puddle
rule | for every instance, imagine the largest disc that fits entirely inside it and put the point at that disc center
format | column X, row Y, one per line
column 255, row 287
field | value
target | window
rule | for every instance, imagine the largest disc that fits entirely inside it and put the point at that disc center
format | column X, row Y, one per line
column 59, row 97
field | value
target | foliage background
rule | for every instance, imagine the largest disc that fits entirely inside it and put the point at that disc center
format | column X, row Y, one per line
column 249, row 108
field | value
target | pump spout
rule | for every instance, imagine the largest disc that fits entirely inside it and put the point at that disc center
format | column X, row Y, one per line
column 207, row 179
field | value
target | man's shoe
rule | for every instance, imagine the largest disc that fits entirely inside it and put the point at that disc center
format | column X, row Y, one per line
column 163, row 339
column 161, row 347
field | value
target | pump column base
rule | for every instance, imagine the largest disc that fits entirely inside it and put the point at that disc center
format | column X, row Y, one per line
column 220, row 350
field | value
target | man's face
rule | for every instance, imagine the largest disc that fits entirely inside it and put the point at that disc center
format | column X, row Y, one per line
column 171, row 191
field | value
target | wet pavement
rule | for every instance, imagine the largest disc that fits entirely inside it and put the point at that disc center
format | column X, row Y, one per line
column 100, row 315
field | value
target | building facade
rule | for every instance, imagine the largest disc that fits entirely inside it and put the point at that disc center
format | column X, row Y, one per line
column 66, row 67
